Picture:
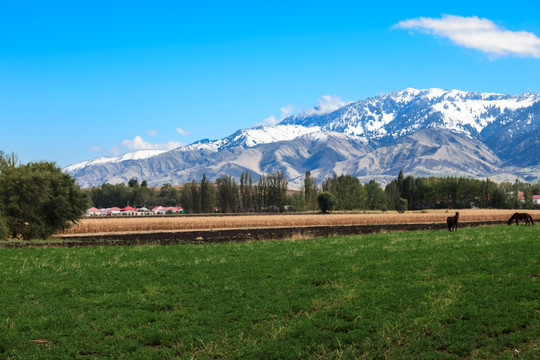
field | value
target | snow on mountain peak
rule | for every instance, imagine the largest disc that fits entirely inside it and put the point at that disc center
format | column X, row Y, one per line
column 255, row 136
column 135, row 155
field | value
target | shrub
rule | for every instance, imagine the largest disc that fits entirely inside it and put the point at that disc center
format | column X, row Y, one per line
column 401, row 205
column 327, row 201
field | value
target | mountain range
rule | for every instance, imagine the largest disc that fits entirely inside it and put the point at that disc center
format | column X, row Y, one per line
column 429, row 132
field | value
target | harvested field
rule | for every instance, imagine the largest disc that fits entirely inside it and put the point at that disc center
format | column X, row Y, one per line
column 187, row 222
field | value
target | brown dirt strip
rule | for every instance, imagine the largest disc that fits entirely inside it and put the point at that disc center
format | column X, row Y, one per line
column 232, row 235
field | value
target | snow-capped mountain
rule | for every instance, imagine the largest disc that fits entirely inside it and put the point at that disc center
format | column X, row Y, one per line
column 399, row 113
column 135, row 155
column 424, row 132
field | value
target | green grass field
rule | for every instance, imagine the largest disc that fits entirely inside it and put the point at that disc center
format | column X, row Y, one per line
column 427, row 295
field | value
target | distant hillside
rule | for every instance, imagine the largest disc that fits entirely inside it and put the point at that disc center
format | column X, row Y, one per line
column 424, row 132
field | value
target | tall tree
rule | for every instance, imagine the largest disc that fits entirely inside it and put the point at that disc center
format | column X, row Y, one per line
column 376, row 199
column 310, row 191
column 273, row 188
column 206, row 190
column 228, row 194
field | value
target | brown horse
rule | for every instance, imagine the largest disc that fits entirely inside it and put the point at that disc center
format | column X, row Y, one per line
column 521, row 216
column 452, row 221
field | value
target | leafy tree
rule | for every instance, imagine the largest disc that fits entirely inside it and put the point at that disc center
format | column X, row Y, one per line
column 348, row 190
column 140, row 196
column 108, row 195
column 169, row 195
column 8, row 160
column 195, row 196
column 247, row 192
column 401, row 205
column 37, row 199
column 189, row 197
column 272, row 190
column 297, row 201
column 376, row 199
column 207, row 195
column 228, row 194
column 310, row 191
column 133, row 183
column 327, row 201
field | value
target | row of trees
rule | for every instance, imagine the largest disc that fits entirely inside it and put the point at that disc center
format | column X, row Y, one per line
column 36, row 199
column 225, row 195
column 270, row 193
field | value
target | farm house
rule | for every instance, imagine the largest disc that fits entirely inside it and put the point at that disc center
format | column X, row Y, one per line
column 93, row 212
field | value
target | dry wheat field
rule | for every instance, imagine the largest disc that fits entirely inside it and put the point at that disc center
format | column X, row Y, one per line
column 179, row 223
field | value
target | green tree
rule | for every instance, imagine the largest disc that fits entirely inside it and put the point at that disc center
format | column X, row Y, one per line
column 4, row 231
column 327, row 201
column 37, row 199
column 310, row 191
column 207, row 195
column 247, row 192
column 228, row 194
column 348, row 190
column 169, row 195
column 108, row 195
column 401, row 205
column 376, row 199
column 8, row 160
column 272, row 190
column 133, row 183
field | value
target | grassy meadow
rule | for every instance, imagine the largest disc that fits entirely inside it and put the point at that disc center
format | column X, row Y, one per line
column 471, row 294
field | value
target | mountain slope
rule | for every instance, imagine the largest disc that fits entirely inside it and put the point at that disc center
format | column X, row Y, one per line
column 424, row 132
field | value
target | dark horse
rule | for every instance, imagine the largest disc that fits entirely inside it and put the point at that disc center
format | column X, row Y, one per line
column 452, row 221
column 521, row 216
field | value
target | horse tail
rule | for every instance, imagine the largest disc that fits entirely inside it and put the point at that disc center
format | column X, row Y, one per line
column 530, row 218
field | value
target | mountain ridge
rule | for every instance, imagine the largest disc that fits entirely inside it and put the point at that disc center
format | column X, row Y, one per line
column 425, row 132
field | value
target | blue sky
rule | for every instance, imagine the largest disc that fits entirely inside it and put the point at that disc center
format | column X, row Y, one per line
column 82, row 79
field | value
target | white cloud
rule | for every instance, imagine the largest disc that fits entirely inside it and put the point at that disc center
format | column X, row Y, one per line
column 326, row 104
column 138, row 143
column 477, row 33
column 96, row 148
column 152, row 132
column 183, row 132
column 287, row 111
column 271, row 120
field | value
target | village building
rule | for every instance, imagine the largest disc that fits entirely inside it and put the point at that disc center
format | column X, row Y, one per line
column 93, row 212
column 128, row 211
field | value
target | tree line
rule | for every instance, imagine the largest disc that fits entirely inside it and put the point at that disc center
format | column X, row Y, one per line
column 270, row 193
column 226, row 194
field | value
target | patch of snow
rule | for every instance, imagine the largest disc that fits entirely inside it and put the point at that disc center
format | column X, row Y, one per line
column 135, row 155
column 270, row 134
